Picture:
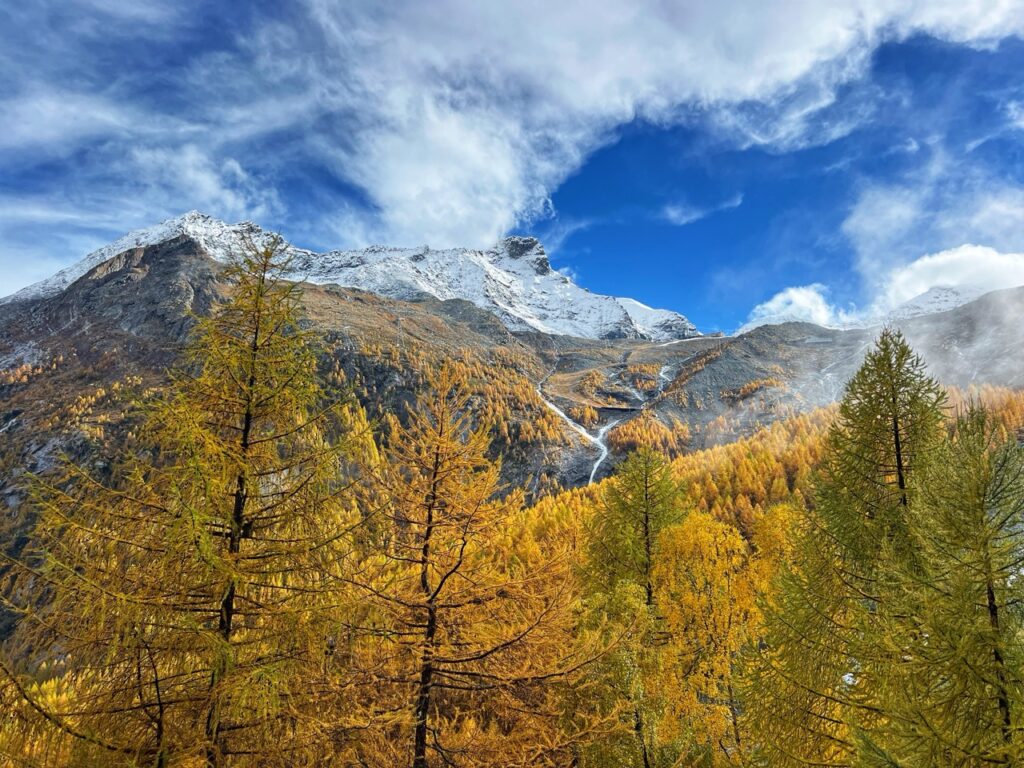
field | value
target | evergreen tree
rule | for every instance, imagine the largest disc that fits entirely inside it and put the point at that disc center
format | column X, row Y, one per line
column 889, row 421
column 957, row 696
column 183, row 613
column 641, row 501
column 815, row 688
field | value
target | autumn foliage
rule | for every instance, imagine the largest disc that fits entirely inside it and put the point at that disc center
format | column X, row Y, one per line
column 262, row 575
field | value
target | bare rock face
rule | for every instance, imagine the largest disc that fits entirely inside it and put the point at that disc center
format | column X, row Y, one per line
column 151, row 291
column 146, row 293
column 525, row 248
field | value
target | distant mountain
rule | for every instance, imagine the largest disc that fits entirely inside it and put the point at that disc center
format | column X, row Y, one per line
column 941, row 298
column 513, row 280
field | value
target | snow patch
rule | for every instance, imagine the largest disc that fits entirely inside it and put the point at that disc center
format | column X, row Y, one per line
column 28, row 353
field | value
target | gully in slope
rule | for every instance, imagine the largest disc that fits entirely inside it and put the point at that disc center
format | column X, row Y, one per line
column 597, row 441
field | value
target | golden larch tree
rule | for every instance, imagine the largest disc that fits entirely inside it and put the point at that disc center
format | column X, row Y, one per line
column 182, row 611
column 708, row 579
column 470, row 626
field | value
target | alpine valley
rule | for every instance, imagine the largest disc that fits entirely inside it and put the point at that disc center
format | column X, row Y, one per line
column 565, row 377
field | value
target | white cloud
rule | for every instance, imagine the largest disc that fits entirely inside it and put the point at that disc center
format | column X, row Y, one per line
column 212, row 184
column 1015, row 111
column 947, row 223
column 454, row 120
column 681, row 214
column 966, row 266
column 458, row 119
column 973, row 269
column 559, row 230
column 944, row 204
column 472, row 113
column 804, row 303
column 54, row 119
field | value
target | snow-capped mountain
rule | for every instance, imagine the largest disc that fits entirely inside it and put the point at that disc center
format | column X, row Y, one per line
column 937, row 299
column 940, row 298
column 217, row 238
column 514, row 279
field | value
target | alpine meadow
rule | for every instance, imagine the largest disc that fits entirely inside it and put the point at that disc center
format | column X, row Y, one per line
column 278, row 495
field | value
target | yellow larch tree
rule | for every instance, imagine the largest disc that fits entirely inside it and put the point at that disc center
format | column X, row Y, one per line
column 178, row 609
column 708, row 580
column 469, row 627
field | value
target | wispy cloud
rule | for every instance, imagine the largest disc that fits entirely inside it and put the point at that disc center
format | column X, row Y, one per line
column 448, row 123
column 557, row 232
column 1015, row 111
column 943, row 203
column 681, row 214
column 946, row 220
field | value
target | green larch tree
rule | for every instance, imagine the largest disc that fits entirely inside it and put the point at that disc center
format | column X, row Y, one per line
column 956, row 697
column 641, row 500
column 815, row 684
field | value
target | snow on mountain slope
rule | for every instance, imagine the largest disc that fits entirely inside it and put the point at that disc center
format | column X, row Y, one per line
column 514, row 279
column 940, row 298
column 215, row 237
column 658, row 324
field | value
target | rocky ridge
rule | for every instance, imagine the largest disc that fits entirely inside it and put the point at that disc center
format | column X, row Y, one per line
column 514, row 279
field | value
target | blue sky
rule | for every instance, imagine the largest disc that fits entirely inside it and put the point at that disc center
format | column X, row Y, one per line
column 733, row 160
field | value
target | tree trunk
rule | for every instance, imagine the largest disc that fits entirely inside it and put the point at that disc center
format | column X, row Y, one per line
column 225, row 622
column 901, row 479
column 647, row 539
column 422, row 709
column 638, row 728
column 734, row 715
column 1002, row 696
column 423, row 693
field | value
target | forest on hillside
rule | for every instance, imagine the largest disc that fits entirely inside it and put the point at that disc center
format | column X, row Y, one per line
column 262, row 577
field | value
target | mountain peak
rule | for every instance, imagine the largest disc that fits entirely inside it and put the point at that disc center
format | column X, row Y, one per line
column 513, row 280
column 528, row 249
column 519, row 245
column 193, row 216
column 938, row 298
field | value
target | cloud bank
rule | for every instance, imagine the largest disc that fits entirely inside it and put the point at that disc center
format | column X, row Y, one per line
column 972, row 269
column 803, row 303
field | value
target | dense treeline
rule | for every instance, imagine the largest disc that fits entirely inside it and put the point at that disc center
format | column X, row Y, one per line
column 261, row 580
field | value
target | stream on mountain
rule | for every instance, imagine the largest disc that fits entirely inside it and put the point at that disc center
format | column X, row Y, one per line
column 597, row 440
